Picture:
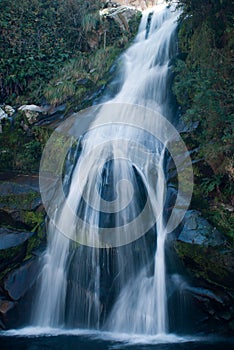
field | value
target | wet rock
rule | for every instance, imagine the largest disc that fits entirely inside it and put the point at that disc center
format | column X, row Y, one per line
column 53, row 113
column 10, row 238
column 13, row 248
column 19, row 281
column 9, row 188
column 7, row 312
column 6, row 306
column 197, row 230
column 10, row 258
column 6, row 219
column 205, row 294
column 210, row 263
column 56, row 109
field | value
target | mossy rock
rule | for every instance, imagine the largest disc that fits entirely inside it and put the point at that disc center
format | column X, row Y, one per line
column 214, row 265
column 17, row 196
column 24, row 201
column 10, row 258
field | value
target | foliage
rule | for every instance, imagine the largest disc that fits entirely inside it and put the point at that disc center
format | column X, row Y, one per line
column 33, row 219
column 221, row 218
column 22, row 200
column 203, row 83
column 37, row 36
column 207, row 263
column 20, row 150
column 81, row 76
column 60, row 51
column 204, row 89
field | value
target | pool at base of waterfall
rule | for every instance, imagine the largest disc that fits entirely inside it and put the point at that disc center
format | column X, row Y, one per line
column 60, row 339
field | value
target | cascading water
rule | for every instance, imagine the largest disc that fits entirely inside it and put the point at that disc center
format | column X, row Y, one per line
column 122, row 289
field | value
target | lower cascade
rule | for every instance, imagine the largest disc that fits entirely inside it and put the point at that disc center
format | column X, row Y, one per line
column 117, row 287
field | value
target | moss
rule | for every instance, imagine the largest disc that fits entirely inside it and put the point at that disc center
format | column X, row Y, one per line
column 20, row 150
column 21, row 200
column 33, row 219
column 92, row 69
column 35, row 242
column 9, row 258
column 207, row 263
column 222, row 219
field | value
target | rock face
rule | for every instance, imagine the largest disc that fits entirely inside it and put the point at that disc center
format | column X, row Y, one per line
column 139, row 4
column 197, row 230
column 42, row 115
column 16, row 199
column 31, row 112
column 10, row 238
column 21, row 235
column 210, row 263
column 7, row 312
column 121, row 15
column 19, row 281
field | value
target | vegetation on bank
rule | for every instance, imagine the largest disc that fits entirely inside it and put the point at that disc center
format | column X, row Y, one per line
column 204, row 89
column 52, row 53
column 21, row 150
column 40, row 39
column 37, row 37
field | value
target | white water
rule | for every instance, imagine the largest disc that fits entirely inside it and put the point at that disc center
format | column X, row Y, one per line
column 123, row 338
column 142, row 305
column 71, row 281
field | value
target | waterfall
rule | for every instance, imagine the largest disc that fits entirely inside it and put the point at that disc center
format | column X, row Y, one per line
column 121, row 288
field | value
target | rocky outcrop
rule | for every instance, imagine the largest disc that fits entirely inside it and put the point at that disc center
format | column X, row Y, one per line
column 19, row 281
column 210, row 262
column 122, row 15
column 10, row 238
column 38, row 115
column 16, row 200
column 7, row 312
column 22, row 234
column 197, row 230
column 42, row 115
column 139, row 4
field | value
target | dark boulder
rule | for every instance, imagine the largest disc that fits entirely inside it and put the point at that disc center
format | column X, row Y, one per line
column 210, row 263
column 8, row 313
column 9, row 238
column 197, row 230
column 20, row 280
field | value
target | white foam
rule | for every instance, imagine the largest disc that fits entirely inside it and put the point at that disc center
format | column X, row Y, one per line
column 29, row 332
